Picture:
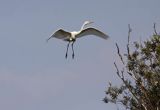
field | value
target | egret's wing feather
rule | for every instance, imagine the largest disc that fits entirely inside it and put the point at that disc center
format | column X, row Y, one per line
column 60, row 34
column 92, row 31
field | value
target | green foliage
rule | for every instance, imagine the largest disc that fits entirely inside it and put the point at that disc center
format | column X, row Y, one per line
column 140, row 75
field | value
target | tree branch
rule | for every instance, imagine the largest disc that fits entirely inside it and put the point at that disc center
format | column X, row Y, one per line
column 123, row 80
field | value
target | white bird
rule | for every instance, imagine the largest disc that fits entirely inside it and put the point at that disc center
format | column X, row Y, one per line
column 72, row 36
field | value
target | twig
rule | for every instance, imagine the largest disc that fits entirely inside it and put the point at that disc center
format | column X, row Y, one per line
column 154, row 27
column 128, row 50
column 119, row 53
column 117, row 69
column 122, row 72
column 129, row 31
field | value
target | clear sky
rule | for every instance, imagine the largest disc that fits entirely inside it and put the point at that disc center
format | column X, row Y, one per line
column 34, row 75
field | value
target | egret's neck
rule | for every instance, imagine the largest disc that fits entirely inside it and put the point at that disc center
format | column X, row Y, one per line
column 83, row 26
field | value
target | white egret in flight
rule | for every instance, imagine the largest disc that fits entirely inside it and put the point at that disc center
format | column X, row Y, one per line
column 72, row 36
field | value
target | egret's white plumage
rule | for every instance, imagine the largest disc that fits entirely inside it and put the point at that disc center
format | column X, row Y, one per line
column 72, row 36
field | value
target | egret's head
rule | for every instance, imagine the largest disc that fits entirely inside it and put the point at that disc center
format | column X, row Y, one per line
column 85, row 24
column 88, row 22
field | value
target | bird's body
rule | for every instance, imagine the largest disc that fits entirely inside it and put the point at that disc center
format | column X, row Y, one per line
column 72, row 36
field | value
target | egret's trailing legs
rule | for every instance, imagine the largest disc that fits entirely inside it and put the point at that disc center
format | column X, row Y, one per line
column 73, row 50
column 67, row 49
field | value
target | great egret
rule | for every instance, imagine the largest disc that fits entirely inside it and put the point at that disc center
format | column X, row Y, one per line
column 72, row 36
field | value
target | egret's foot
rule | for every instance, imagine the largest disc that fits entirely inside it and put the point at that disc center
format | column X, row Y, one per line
column 73, row 56
column 66, row 56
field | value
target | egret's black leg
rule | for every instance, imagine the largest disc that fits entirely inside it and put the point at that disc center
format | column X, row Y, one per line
column 72, row 51
column 67, row 49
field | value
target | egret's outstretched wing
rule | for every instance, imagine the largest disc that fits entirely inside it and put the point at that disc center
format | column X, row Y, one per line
column 60, row 34
column 92, row 31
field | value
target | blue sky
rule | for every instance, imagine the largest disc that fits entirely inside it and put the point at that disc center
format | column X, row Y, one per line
column 34, row 75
